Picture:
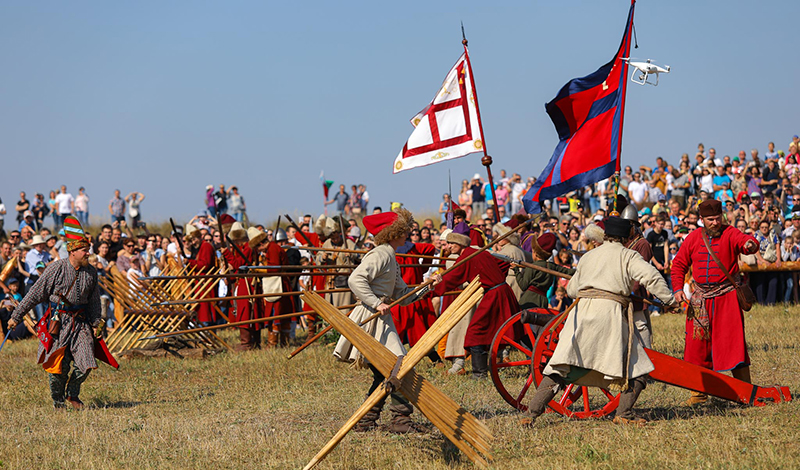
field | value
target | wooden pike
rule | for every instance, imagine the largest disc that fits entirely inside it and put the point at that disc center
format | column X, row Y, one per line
column 238, row 323
column 563, row 276
column 363, row 252
column 457, row 264
column 459, row 426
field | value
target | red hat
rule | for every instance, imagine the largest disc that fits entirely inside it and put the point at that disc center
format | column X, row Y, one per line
column 376, row 222
column 709, row 208
column 512, row 223
column 544, row 245
column 226, row 219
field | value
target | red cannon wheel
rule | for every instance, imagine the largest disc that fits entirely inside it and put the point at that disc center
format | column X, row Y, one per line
column 575, row 401
column 513, row 378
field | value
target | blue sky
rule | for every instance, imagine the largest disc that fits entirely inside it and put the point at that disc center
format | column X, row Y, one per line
column 167, row 97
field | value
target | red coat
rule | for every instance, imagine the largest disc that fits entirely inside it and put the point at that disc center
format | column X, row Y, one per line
column 727, row 347
column 276, row 256
column 498, row 303
column 246, row 309
column 413, row 320
column 204, row 262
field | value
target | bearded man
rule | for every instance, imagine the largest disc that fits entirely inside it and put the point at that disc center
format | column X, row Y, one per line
column 70, row 287
column 715, row 323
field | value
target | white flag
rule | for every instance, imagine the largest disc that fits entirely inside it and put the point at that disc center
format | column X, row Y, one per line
column 448, row 127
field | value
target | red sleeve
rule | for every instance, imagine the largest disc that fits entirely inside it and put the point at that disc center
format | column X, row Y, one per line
column 205, row 257
column 425, row 249
column 739, row 239
column 682, row 261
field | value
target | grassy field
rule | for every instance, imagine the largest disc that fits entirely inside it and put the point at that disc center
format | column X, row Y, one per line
column 258, row 410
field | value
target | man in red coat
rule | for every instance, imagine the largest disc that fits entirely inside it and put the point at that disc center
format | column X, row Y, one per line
column 245, row 309
column 272, row 254
column 715, row 330
column 497, row 305
column 202, row 256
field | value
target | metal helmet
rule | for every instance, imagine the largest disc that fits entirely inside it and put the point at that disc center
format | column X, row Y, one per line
column 630, row 213
column 280, row 235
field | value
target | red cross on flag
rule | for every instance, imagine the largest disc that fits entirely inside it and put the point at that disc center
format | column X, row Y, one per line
column 449, row 127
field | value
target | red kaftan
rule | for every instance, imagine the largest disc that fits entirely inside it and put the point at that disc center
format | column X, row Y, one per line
column 498, row 303
column 727, row 348
column 203, row 263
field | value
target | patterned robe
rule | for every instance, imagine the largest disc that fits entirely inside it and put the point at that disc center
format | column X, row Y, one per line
column 75, row 334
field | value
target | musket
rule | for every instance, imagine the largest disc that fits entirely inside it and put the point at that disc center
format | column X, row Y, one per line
column 175, row 231
column 565, row 276
column 238, row 323
column 362, row 252
column 302, row 234
column 423, row 285
column 225, row 238
column 236, row 248
column 232, row 276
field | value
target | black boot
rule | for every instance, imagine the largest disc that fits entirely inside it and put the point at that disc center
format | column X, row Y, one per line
column 545, row 392
column 627, row 399
column 480, row 362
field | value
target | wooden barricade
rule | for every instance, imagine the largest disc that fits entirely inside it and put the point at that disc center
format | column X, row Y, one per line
column 138, row 315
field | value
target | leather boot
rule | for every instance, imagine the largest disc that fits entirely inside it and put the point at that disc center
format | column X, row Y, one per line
column 312, row 328
column 244, row 340
column 255, row 338
column 272, row 339
column 401, row 419
column 370, row 420
column 742, row 373
column 696, row 398
column 545, row 392
column 627, row 399
column 480, row 362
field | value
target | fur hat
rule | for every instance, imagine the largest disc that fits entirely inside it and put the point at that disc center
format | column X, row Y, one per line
column 376, row 222
column 190, row 232
column 502, row 229
column 237, row 232
column 543, row 245
column 325, row 226
column 255, row 236
column 399, row 227
column 459, row 235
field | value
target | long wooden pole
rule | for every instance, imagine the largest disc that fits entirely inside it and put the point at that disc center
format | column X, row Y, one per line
column 363, row 252
column 238, row 323
column 457, row 264
column 563, row 276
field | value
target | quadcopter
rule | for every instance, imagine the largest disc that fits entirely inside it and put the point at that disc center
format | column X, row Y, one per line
column 643, row 70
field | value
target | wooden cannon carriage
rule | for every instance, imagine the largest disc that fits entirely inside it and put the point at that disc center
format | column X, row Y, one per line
column 515, row 378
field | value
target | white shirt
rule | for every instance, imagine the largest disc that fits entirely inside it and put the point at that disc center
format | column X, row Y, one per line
column 64, row 202
column 637, row 190
column 82, row 203
column 706, row 183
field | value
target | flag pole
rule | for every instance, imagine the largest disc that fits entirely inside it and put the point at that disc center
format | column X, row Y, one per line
column 624, row 74
column 486, row 160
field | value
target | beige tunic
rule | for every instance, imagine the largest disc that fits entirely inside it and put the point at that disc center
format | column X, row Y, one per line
column 595, row 334
column 327, row 257
column 518, row 254
column 376, row 278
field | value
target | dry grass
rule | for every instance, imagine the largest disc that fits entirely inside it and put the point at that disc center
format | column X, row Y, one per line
column 258, row 410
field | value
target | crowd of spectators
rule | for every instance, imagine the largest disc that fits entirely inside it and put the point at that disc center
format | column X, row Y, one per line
column 761, row 196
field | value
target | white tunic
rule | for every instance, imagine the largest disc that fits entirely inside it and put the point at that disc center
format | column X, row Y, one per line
column 377, row 276
column 595, row 334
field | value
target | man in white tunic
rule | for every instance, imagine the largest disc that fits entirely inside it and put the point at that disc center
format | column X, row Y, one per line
column 593, row 346
column 375, row 283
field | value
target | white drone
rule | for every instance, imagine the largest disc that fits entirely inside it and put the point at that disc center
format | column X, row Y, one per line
column 643, row 70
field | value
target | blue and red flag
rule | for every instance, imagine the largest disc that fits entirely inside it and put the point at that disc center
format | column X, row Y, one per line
column 588, row 114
